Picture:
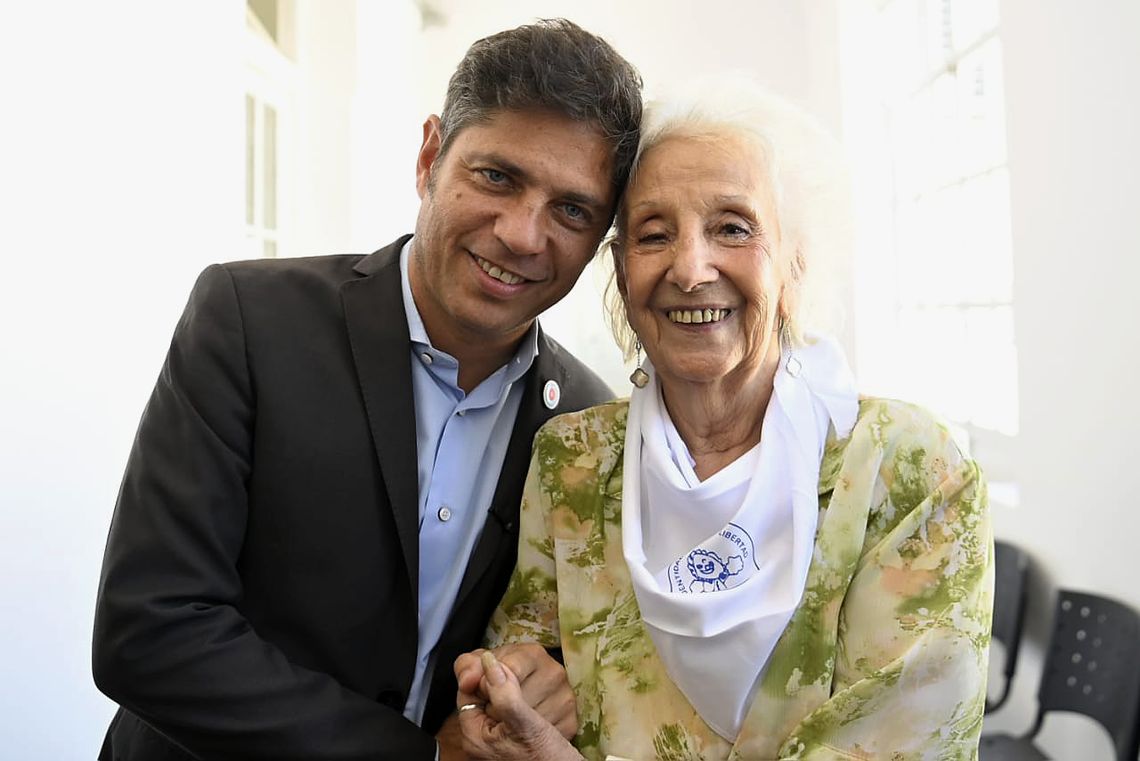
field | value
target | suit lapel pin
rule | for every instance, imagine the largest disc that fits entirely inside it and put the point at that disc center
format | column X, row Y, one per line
column 551, row 394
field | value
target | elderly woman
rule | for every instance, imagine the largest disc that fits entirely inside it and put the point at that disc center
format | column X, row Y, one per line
column 744, row 560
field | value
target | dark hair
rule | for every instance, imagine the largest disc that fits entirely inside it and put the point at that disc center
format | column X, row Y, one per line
column 552, row 64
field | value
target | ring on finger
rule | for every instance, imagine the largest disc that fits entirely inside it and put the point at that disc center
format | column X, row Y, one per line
column 468, row 707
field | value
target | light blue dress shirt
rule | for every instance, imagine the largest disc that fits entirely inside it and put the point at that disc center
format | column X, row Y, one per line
column 461, row 442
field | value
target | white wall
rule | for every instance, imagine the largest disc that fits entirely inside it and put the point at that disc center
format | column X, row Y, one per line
column 122, row 149
column 1073, row 119
column 122, row 177
column 320, row 205
column 386, row 124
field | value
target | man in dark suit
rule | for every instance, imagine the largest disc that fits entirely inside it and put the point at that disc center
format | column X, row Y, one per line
column 319, row 511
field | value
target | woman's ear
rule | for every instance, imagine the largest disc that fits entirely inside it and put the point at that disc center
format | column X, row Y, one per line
column 787, row 309
column 619, row 272
column 790, row 289
column 612, row 246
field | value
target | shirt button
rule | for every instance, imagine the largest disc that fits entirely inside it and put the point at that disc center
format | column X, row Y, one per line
column 461, row 413
column 426, row 358
column 444, row 513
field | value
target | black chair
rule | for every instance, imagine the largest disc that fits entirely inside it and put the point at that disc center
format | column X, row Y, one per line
column 1092, row 668
column 1011, row 572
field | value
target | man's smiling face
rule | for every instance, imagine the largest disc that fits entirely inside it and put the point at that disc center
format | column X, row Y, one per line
column 509, row 217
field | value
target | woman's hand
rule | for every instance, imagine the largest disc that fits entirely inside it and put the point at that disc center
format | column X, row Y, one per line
column 515, row 732
column 545, row 686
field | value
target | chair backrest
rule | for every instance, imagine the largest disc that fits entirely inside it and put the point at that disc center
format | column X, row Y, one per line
column 1093, row 666
column 1011, row 572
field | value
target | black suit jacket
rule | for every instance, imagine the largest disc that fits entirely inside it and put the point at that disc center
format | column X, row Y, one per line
column 258, row 598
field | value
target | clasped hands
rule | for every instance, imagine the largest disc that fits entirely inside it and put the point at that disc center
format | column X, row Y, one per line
column 515, row 704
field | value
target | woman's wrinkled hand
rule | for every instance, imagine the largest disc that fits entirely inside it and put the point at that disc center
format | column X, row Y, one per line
column 545, row 686
column 498, row 724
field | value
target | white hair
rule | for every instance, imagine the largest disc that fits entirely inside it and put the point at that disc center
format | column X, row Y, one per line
column 804, row 168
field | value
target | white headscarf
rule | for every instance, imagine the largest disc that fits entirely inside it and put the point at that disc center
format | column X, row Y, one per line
column 719, row 566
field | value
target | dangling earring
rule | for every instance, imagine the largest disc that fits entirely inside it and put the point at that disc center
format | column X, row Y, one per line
column 639, row 377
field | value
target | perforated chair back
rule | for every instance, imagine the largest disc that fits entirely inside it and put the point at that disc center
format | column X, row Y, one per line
column 1011, row 572
column 1093, row 667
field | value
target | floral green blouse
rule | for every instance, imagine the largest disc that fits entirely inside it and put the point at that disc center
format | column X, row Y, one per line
column 885, row 657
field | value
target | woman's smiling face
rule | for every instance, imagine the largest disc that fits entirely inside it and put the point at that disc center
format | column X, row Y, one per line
column 702, row 270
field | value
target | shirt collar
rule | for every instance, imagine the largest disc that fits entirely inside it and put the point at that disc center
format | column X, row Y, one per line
column 515, row 368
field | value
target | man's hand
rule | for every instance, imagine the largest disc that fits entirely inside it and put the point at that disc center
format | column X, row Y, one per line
column 450, row 739
column 545, row 687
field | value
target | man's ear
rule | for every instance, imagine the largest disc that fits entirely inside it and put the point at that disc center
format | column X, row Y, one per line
column 429, row 152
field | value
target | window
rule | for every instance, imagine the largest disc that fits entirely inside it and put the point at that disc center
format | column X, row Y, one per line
column 937, row 316
column 268, row 97
column 261, row 176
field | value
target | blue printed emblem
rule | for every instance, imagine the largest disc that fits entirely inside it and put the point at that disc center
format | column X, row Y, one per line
column 710, row 572
column 723, row 561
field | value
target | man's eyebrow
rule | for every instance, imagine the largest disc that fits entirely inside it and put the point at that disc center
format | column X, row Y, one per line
column 573, row 196
column 583, row 199
column 505, row 165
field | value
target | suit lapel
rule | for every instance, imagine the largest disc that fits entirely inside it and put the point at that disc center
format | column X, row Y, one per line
column 502, row 519
column 378, row 333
